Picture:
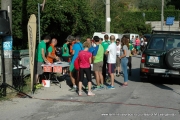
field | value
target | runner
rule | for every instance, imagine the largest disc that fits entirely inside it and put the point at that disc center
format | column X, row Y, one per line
column 65, row 54
column 85, row 59
column 98, row 64
column 41, row 51
column 124, row 59
column 76, row 48
column 131, row 49
column 51, row 56
column 111, row 52
column 117, row 58
column 105, row 45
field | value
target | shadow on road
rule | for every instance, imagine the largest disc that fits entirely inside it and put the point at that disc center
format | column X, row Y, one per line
column 165, row 87
column 135, row 75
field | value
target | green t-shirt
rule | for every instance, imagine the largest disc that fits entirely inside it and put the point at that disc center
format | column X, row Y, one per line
column 131, row 47
column 50, row 49
column 41, row 45
column 65, row 51
column 105, row 45
column 98, row 53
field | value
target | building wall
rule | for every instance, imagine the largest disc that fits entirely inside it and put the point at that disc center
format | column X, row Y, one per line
column 156, row 25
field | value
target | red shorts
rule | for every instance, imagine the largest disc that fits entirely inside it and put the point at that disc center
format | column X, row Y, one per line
column 111, row 67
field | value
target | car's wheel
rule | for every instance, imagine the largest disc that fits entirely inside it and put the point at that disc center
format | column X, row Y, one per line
column 173, row 58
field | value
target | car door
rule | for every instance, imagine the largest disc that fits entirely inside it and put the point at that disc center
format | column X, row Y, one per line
column 155, row 52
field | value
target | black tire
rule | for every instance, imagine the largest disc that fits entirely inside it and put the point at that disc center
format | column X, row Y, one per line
column 173, row 59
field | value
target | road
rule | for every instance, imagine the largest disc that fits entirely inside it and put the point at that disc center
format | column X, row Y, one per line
column 138, row 101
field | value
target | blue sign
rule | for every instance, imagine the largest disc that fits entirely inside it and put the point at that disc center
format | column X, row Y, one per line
column 170, row 20
column 7, row 42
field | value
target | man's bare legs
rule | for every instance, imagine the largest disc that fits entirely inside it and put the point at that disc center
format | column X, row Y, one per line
column 73, row 82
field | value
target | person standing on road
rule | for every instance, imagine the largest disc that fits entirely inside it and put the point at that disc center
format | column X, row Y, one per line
column 117, row 58
column 131, row 49
column 98, row 64
column 137, row 44
column 100, row 40
column 41, row 51
column 51, row 56
column 105, row 45
column 75, row 50
column 111, row 52
column 124, row 59
column 133, row 40
column 65, row 51
column 85, row 59
column 65, row 54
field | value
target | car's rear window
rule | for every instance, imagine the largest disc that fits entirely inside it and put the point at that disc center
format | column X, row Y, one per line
column 172, row 42
column 157, row 43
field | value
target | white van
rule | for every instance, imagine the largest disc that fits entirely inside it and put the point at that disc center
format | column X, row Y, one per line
column 101, row 35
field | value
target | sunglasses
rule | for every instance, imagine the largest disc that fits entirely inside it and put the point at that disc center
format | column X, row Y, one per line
column 117, row 42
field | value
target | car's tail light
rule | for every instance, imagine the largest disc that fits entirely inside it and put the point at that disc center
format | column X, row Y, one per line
column 145, row 70
column 143, row 58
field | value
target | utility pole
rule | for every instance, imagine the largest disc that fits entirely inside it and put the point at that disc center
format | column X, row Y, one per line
column 7, row 5
column 108, row 19
column 39, row 22
column 162, row 15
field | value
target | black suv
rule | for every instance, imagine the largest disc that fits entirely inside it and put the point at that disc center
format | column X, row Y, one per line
column 161, row 57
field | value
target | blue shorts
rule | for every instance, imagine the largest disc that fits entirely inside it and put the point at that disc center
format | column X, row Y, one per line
column 111, row 67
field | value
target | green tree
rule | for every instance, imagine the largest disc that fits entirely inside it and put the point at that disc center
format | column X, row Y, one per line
column 151, row 4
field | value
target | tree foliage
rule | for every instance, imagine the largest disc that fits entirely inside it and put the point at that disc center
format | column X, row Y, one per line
column 61, row 18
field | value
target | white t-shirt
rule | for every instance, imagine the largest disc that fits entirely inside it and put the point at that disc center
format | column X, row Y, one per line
column 142, row 41
column 112, row 48
column 133, row 40
column 118, row 49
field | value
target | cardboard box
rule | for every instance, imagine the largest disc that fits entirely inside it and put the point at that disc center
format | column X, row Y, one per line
column 57, row 69
column 47, row 68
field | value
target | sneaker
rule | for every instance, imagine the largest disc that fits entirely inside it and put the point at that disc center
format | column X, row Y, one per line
column 73, row 89
column 102, row 87
column 80, row 93
column 96, row 88
column 117, row 75
column 86, row 88
column 108, row 80
column 121, row 73
column 110, row 87
column 38, row 86
column 90, row 93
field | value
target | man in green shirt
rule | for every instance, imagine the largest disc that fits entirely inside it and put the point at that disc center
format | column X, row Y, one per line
column 105, row 45
column 41, row 51
column 65, row 51
column 98, row 54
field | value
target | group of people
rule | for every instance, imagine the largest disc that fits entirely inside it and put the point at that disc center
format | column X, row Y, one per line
column 139, row 44
column 112, row 55
column 99, row 56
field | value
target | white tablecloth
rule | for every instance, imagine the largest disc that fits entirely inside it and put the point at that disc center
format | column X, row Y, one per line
column 62, row 64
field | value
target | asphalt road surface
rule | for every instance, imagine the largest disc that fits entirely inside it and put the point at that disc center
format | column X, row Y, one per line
column 138, row 101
